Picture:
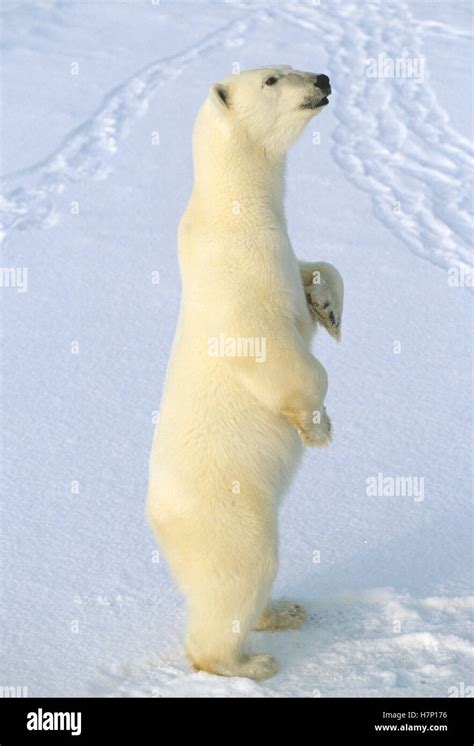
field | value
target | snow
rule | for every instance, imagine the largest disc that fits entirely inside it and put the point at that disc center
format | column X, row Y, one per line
column 90, row 208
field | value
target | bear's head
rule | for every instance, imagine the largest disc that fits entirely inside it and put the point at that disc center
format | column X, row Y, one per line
column 268, row 106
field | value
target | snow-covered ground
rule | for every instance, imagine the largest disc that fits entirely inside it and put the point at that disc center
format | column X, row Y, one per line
column 98, row 101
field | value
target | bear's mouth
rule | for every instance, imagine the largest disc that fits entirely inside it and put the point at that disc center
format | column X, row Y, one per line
column 312, row 104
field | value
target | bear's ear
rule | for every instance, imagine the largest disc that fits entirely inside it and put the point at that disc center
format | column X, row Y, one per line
column 219, row 95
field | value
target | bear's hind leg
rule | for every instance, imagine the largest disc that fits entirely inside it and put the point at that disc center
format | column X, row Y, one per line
column 223, row 611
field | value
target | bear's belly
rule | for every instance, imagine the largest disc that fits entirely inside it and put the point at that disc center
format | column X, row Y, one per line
column 215, row 440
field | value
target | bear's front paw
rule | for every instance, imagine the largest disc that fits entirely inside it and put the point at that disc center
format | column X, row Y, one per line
column 319, row 435
column 325, row 308
column 315, row 431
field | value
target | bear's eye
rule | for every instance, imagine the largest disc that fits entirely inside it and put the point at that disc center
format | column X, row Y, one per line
column 271, row 81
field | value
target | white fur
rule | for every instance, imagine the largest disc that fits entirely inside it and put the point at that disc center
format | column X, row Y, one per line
column 231, row 429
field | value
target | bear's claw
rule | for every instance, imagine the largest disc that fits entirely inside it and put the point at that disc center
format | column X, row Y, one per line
column 324, row 309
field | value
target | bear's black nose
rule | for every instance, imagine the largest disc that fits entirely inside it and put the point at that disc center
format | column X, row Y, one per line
column 322, row 81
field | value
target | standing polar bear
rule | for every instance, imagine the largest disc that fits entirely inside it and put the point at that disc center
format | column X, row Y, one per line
column 243, row 392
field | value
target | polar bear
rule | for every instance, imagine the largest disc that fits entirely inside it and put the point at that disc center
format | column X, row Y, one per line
column 243, row 393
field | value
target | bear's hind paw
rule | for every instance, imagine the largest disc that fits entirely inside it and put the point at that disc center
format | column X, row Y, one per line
column 281, row 616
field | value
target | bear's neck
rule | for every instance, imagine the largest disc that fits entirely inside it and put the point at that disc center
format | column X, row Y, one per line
column 239, row 185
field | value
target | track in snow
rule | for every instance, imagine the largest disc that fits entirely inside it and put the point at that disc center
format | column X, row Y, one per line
column 393, row 139
column 28, row 198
